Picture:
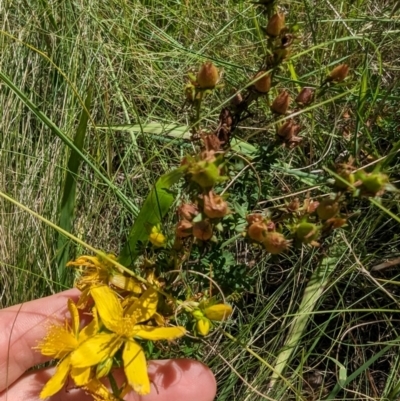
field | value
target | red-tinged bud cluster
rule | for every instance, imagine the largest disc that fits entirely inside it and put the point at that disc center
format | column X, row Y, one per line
column 262, row 230
column 275, row 243
column 214, row 206
column 188, row 211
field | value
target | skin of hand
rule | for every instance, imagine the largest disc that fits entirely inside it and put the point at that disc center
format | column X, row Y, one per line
column 23, row 326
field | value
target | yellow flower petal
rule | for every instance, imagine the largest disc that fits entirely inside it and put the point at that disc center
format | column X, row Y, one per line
column 81, row 376
column 91, row 329
column 126, row 283
column 157, row 239
column 135, row 367
column 218, row 312
column 145, row 307
column 58, row 380
column 159, row 333
column 95, row 350
column 73, row 310
column 108, row 306
column 84, row 297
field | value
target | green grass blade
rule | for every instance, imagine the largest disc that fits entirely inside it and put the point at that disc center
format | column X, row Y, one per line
column 53, row 127
column 175, row 131
column 152, row 212
column 69, row 190
column 314, row 290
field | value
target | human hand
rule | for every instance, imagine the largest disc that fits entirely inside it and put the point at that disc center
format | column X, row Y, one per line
column 22, row 326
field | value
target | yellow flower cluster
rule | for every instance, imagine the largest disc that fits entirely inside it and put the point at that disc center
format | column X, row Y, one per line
column 86, row 352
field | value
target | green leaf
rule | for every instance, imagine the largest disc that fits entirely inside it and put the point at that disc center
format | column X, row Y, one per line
column 154, row 208
column 69, row 190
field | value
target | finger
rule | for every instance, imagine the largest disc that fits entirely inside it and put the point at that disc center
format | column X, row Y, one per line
column 22, row 326
column 172, row 380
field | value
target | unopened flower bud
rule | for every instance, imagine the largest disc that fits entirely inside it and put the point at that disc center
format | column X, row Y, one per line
column 198, row 314
column 275, row 242
column 347, row 175
column 237, row 99
column 306, row 232
column 103, row 368
column 212, row 144
column 203, row 326
column 254, row 218
column 205, row 173
column 257, row 231
column 187, row 211
column 207, row 76
column 214, row 206
column 335, row 222
column 183, row 229
column 294, row 205
column 263, row 83
column 202, row 230
column 189, row 93
column 305, row 97
column 218, row 312
column 281, row 103
column 275, row 25
column 339, row 73
column 327, row 209
column 310, row 205
column 373, row 183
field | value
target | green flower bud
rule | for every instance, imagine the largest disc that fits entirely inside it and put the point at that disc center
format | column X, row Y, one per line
column 373, row 184
column 306, row 232
column 327, row 209
column 205, row 174
column 103, row 368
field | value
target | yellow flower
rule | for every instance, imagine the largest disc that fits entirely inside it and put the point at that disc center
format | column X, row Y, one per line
column 123, row 327
column 59, row 343
column 95, row 271
column 157, row 238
